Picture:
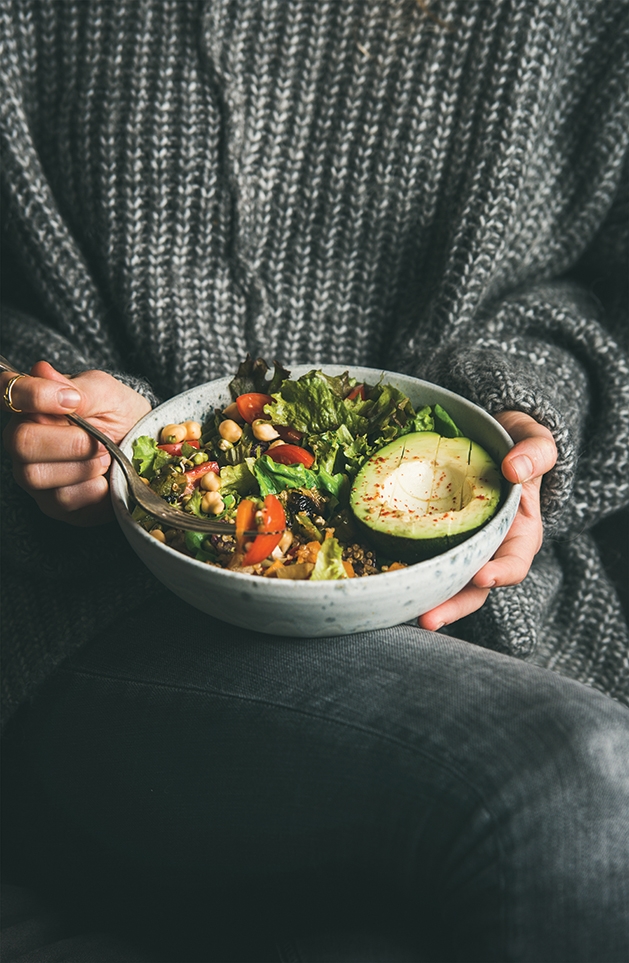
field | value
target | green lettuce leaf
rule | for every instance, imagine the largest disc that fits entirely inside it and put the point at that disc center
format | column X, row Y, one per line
column 388, row 408
column 145, row 451
column 162, row 458
column 357, row 453
column 200, row 547
column 193, row 506
column 239, row 478
column 445, row 425
column 422, row 420
column 273, row 477
column 329, row 564
column 315, row 404
column 143, row 518
column 251, row 376
column 336, row 484
column 329, row 448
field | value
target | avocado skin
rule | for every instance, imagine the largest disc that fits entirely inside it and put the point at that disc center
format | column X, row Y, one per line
column 411, row 550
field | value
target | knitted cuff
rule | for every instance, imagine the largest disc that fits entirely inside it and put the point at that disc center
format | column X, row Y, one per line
column 138, row 384
column 512, row 376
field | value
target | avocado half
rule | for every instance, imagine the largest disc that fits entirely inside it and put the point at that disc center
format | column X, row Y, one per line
column 423, row 494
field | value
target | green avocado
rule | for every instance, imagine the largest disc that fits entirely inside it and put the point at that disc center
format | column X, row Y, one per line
column 424, row 493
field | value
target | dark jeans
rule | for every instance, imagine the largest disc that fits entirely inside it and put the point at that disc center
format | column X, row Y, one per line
column 397, row 795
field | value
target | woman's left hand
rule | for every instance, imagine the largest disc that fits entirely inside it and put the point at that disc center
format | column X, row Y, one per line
column 533, row 454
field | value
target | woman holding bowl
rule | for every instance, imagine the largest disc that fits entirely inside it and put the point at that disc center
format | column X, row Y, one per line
column 434, row 189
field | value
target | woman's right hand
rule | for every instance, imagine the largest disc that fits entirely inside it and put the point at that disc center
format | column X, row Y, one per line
column 59, row 464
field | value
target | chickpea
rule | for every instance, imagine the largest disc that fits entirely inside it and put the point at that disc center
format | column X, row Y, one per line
column 212, row 503
column 276, row 444
column 264, row 430
column 172, row 434
column 158, row 534
column 193, row 430
column 231, row 411
column 229, row 430
column 210, row 482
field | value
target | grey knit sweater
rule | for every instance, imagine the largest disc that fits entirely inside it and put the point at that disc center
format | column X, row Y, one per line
column 431, row 188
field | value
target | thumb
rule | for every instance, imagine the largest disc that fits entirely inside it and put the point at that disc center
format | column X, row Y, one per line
column 68, row 398
column 45, row 392
column 534, row 452
column 42, row 369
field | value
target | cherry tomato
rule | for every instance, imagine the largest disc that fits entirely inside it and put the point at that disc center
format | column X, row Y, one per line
column 273, row 520
column 291, row 455
column 251, row 406
column 176, row 449
column 358, row 391
column 193, row 476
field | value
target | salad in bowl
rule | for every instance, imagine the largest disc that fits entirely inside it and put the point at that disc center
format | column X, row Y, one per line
column 342, row 478
column 346, row 438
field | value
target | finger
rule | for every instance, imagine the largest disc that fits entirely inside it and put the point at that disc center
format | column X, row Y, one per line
column 534, row 453
column 77, row 504
column 28, row 441
column 468, row 600
column 511, row 564
column 52, row 396
column 43, row 476
column 514, row 556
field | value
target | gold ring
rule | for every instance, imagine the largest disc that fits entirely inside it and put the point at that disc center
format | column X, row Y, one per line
column 6, row 397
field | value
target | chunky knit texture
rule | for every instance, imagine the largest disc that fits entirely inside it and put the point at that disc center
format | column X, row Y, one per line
column 429, row 190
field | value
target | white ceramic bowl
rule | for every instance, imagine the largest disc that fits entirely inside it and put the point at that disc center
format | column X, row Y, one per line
column 296, row 608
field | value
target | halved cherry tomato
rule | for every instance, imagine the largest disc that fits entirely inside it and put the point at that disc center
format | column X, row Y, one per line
column 194, row 475
column 176, row 449
column 358, row 391
column 245, row 520
column 291, row 455
column 289, row 435
column 273, row 520
column 251, row 406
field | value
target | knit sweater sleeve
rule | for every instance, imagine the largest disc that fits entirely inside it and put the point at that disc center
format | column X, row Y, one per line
column 26, row 340
column 557, row 351
column 546, row 352
column 67, row 320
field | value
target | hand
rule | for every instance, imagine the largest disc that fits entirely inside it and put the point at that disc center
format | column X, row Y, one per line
column 531, row 457
column 58, row 463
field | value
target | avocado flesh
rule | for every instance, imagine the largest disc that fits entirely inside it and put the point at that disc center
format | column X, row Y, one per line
column 424, row 493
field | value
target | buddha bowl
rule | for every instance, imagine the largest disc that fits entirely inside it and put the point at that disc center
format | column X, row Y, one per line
column 324, row 608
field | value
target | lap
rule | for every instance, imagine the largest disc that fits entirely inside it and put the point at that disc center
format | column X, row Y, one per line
column 405, row 763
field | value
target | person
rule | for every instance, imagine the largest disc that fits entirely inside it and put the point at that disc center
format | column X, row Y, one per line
column 438, row 189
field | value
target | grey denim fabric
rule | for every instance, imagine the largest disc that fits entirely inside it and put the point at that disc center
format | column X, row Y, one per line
column 397, row 793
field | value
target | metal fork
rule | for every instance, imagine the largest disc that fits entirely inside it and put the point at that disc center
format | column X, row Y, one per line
column 144, row 496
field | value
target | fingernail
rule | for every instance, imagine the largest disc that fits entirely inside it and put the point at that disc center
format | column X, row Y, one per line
column 69, row 398
column 523, row 467
column 440, row 626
